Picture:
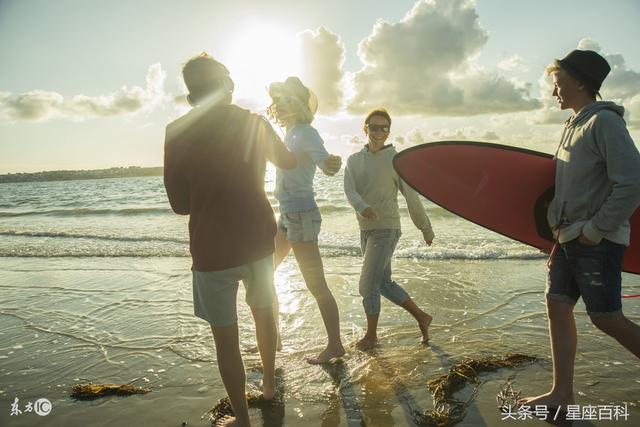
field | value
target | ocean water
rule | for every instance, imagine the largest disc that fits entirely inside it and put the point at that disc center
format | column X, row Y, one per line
column 95, row 286
column 131, row 217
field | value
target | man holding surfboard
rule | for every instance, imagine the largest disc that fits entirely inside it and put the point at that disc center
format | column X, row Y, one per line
column 597, row 189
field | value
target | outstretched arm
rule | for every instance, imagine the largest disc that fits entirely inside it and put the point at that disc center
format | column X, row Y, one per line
column 276, row 152
column 332, row 165
column 279, row 155
column 313, row 145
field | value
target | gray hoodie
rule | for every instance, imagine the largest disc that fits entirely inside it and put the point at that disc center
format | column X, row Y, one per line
column 371, row 181
column 597, row 176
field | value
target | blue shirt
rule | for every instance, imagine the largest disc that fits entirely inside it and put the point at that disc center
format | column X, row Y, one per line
column 294, row 188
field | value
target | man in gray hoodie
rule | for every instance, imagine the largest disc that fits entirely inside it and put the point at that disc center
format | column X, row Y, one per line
column 597, row 190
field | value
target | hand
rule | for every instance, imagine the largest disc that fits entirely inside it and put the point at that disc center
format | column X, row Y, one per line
column 369, row 213
column 332, row 164
column 584, row 241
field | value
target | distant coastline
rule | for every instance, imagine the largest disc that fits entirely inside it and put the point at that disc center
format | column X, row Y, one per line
column 69, row 175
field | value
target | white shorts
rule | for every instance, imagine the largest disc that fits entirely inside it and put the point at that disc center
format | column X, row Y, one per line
column 214, row 292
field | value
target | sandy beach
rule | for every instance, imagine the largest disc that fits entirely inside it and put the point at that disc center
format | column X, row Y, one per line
column 119, row 319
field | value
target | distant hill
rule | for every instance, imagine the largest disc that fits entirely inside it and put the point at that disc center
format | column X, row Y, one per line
column 128, row 172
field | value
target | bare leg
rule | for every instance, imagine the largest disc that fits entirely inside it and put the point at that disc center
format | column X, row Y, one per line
column 423, row 319
column 310, row 263
column 232, row 371
column 370, row 338
column 564, row 339
column 266, row 337
column 622, row 329
column 283, row 247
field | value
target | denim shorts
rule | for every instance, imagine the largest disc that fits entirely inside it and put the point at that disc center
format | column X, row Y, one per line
column 301, row 226
column 214, row 292
column 593, row 272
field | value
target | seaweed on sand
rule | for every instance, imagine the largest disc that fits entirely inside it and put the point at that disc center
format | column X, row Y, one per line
column 272, row 410
column 90, row 391
column 448, row 410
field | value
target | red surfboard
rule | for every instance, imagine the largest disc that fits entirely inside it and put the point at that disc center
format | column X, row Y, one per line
column 502, row 188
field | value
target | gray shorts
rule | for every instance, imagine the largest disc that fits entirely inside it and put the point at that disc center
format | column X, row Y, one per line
column 214, row 292
column 301, row 226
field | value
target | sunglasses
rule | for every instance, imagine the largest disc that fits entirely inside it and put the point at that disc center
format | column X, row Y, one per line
column 377, row 128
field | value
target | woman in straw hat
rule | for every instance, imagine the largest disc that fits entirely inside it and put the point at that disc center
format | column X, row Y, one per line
column 293, row 107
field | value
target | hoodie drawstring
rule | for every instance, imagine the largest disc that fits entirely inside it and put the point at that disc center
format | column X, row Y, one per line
column 554, row 249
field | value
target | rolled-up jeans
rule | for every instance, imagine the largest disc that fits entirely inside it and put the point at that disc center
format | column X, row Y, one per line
column 375, row 278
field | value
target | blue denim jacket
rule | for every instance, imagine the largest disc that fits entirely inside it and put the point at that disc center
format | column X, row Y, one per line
column 294, row 188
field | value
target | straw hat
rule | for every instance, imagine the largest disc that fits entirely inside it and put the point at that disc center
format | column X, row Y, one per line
column 296, row 94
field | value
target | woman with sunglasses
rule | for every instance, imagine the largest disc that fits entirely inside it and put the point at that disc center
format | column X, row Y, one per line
column 293, row 107
column 371, row 186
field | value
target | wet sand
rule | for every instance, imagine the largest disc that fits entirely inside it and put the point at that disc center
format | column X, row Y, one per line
column 118, row 319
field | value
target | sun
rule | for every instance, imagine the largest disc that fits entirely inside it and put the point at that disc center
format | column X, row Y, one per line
column 257, row 54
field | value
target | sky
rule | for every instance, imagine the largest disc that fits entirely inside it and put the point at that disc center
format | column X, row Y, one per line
column 92, row 84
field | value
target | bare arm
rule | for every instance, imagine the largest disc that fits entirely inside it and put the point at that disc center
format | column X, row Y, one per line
column 332, row 165
column 176, row 181
column 278, row 154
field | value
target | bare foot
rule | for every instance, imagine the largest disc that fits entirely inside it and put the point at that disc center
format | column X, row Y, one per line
column 550, row 400
column 424, row 323
column 326, row 355
column 366, row 343
column 229, row 421
column 268, row 389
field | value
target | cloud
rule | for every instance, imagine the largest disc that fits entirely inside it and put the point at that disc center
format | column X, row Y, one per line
column 323, row 56
column 352, row 140
column 40, row 105
column 424, row 64
column 414, row 137
column 418, row 136
column 588, row 44
column 490, row 136
column 550, row 115
column 421, row 135
column 633, row 111
column 622, row 85
column 34, row 105
column 515, row 62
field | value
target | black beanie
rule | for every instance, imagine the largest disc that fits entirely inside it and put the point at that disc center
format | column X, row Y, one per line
column 586, row 66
